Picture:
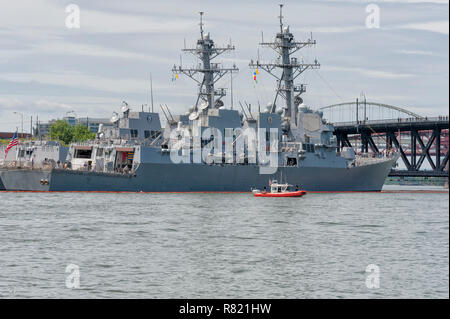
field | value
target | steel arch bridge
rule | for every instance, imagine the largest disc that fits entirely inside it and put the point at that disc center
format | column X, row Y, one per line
column 357, row 111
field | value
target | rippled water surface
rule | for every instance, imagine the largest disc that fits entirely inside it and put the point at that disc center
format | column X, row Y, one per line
column 224, row 245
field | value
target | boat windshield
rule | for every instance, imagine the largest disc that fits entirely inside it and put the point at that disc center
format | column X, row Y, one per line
column 279, row 188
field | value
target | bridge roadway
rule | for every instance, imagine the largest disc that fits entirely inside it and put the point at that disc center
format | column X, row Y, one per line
column 402, row 125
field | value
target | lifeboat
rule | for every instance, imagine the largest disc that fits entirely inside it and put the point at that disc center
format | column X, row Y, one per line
column 279, row 190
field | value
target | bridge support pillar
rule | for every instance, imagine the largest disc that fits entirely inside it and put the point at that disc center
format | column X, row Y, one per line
column 388, row 141
column 437, row 132
column 413, row 149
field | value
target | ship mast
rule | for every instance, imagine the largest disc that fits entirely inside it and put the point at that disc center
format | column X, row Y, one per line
column 285, row 45
column 206, row 51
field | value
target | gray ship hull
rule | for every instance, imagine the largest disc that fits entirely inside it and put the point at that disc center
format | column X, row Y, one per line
column 199, row 178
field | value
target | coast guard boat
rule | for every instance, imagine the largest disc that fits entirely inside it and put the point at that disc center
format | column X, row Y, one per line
column 279, row 190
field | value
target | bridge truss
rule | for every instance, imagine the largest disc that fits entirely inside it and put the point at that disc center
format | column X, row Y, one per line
column 418, row 139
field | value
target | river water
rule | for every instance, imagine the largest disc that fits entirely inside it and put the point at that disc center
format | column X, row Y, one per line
column 225, row 245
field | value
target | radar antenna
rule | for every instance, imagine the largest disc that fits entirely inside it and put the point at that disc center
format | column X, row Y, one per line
column 206, row 51
column 285, row 45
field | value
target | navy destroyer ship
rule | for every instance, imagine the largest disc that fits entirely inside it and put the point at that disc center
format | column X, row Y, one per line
column 213, row 147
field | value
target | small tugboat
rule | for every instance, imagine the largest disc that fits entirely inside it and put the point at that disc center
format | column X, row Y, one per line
column 279, row 190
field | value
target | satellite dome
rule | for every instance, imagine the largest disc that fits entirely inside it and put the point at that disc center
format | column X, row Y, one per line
column 203, row 105
column 193, row 116
column 114, row 118
column 124, row 107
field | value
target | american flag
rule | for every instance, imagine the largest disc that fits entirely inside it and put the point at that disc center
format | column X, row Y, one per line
column 14, row 142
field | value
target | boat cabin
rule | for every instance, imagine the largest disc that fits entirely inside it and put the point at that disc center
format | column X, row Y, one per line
column 275, row 187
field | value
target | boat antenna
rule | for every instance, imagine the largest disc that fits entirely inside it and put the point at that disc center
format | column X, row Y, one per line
column 249, row 109
column 151, row 90
column 281, row 18
column 231, row 76
column 201, row 24
column 243, row 111
column 168, row 110
column 165, row 115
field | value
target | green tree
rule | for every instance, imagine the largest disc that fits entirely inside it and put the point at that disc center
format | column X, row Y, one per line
column 62, row 131
column 66, row 133
column 82, row 133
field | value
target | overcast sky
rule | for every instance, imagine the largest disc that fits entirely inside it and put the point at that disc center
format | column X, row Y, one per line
column 47, row 69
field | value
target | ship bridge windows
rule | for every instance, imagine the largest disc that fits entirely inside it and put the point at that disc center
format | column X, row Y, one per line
column 25, row 153
column 133, row 133
column 308, row 147
column 83, row 153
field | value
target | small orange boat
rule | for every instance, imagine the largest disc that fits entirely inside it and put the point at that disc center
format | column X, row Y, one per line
column 279, row 190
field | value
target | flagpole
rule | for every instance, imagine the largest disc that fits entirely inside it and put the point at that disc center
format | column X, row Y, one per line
column 21, row 115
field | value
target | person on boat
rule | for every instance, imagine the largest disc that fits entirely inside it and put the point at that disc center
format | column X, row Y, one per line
column 296, row 188
column 265, row 189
